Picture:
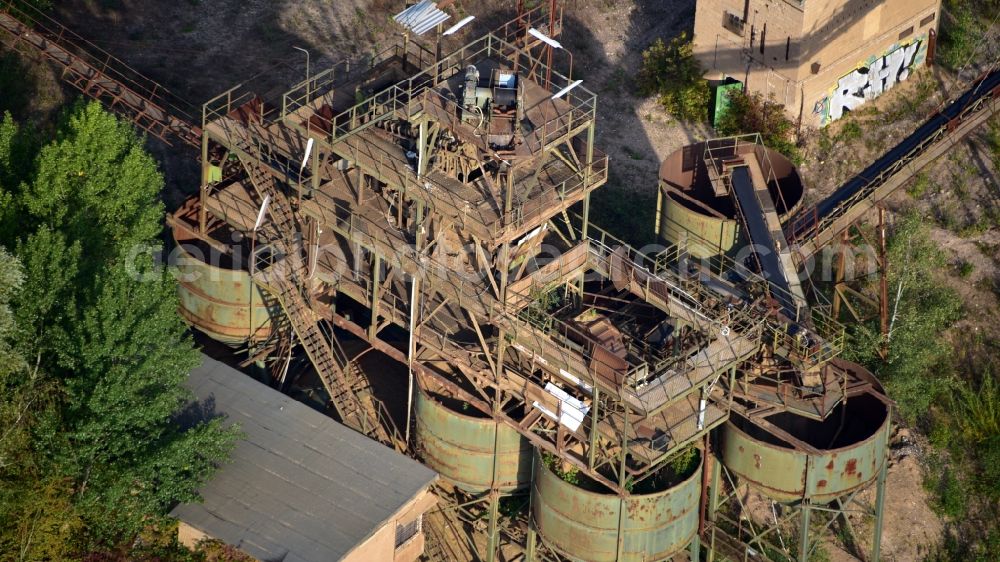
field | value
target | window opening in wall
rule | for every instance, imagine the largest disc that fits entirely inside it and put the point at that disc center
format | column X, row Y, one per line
column 927, row 20
column 763, row 32
column 408, row 531
column 788, row 46
column 733, row 23
column 906, row 33
column 753, row 35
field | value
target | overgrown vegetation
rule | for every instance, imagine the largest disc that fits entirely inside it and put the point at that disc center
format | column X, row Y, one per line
column 676, row 470
column 93, row 351
column 926, row 307
column 569, row 474
column 946, row 387
column 964, row 475
column 670, row 72
column 754, row 113
column 963, row 26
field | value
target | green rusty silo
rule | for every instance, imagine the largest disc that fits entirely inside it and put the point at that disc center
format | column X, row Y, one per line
column 690, row 203
column 462, row 445
column 849, row 449
column 218, row 300
column 604, row 527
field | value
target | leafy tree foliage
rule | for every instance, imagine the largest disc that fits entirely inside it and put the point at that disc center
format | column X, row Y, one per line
column 97, row 185
column 754, row 113
column 11, row 280
column 670, row 72
column 94, row 455
column 918, row 352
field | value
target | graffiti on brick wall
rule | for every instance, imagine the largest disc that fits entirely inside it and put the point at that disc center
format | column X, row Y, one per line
column 872, row 78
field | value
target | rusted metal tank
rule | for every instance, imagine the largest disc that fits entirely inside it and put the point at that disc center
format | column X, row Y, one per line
column 851, row 444
column 461, row 446
column 218, row 300
column 588, row 525
column 687, row 192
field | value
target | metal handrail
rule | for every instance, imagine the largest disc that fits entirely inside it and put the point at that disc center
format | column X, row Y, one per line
column 497, row 224
column 397, row 98
column 830, row 332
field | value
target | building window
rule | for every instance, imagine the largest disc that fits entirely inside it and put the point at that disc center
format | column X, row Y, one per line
column 763, row 32
column 906, row 33
column 408, row 531
column 927, row 20
column 788, row 47
column 815, row 68
column 733, row 23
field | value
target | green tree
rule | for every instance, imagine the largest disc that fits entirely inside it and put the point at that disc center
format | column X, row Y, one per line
column 754, row 113
column 100, row 455
column 916, row 370
column 97, row 185
column 48, row 304
column 37, row 519
column 11, row 281
column 670, row 72
column 16, row 156
column 128, row 455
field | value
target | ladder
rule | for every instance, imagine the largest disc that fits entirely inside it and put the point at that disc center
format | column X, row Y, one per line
column 288, row 284
column 332, row 365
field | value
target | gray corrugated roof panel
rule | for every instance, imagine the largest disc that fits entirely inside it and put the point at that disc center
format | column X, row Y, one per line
column 300, row 487
column 421, row 17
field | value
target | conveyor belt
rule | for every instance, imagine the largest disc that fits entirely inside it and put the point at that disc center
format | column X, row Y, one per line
column 820, row 224
column 100, row 75
column 761, row 236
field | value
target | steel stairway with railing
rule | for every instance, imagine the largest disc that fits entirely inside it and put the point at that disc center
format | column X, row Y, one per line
column 286, row 279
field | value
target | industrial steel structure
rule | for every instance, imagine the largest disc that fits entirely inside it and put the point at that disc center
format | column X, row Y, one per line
column 436, row 207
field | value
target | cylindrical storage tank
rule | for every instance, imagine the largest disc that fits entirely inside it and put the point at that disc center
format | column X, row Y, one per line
column 586, row 525
column 462, row 446
column 685, row 171
column 851, row 442
column 218, row 300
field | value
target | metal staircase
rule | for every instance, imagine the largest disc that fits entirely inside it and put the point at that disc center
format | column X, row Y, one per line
column 334, row 368
column 286, row 277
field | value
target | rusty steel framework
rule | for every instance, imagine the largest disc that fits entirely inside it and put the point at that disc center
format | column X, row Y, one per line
column 396, row 202
column 437, row 208
column 98, row 74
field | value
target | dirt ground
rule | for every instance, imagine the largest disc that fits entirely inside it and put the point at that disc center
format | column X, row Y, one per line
column 199, row 48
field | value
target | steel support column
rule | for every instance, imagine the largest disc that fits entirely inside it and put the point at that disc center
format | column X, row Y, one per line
column 880, row 505
column 804, row 532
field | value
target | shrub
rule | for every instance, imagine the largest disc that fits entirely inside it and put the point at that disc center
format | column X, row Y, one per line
column 555, row 464
column 670, row 72
column 919, row 186
column 753, row 113
column 960, row 32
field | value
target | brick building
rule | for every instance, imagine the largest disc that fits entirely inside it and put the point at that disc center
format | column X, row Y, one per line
column 820, row 59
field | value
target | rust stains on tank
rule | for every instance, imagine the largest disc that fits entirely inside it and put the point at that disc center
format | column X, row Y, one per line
column 821, row 484
column 852, row 467
column 829, row 465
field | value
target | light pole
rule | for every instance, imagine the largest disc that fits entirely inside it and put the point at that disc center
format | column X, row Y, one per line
column 308, row 69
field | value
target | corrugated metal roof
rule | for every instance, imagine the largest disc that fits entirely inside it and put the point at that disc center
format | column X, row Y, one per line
column 421, row 17
column 300, row 487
